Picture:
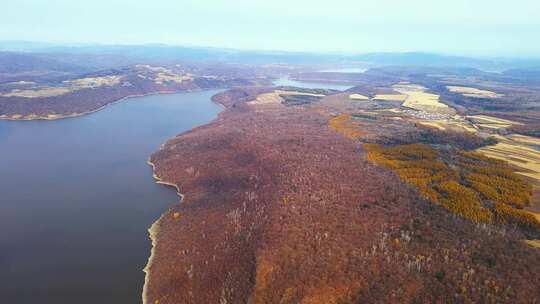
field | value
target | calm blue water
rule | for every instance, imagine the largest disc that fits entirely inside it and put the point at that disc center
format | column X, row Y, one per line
column 77, row 198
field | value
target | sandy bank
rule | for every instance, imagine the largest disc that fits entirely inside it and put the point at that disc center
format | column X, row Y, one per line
column 153, row 231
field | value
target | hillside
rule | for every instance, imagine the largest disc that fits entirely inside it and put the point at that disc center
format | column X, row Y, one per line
column 280, row 208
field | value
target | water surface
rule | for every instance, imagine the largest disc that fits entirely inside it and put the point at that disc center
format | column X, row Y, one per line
column 311, row 85
column 77, row 198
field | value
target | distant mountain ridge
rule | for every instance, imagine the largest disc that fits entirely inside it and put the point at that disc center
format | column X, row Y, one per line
column 106, row 56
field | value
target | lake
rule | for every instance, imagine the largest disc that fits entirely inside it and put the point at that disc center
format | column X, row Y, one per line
column 311, row 85
column 77, row 198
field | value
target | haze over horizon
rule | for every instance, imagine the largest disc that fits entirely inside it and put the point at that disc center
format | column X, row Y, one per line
column 462, row 27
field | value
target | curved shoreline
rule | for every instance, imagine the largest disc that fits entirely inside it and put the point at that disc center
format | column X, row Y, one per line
column 153, row 231
column 60, row 116
column 154, row 228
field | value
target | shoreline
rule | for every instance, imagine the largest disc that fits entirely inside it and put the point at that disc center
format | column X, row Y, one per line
column 152, row 234
column 74, row 115
column 153, row 231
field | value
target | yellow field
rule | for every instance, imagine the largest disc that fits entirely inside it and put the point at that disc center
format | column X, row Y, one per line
column 274, row 97
column 390, row 97
column 533, row 243
column 41, row 92
column 536, row 215
column 528, row 140
column 170, row 77
column 418, row 99
column 490, row 122
column 473, row 92
column 434, row 124
column 69, row 86
column 93, row 82
column 526, row 158
column 267, row 98
column 358, row 97
column 452, row 125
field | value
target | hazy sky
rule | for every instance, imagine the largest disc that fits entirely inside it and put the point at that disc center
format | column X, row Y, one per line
column 482, row 27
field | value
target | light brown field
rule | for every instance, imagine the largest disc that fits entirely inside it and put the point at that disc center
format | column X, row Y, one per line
column 418, row 99
column 523, row 139
column 69, row 86
column 536, row 215
column 358, row 97
column 267, row 98
column 164, row 75
column 450, row 124
column 93, row 82
column 533, row 243
column 490, row 122
column 36, row 93
column 275, row 98
column 171, row 77
column 523, row 157
column 473, row 92
column 435, row 124
column 390, row 97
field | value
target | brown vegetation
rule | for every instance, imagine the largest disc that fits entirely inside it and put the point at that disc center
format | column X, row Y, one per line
column 83, row 95
column 430, row 135
column 280, row 208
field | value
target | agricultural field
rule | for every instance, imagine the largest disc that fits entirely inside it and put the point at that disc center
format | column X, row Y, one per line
column 390, row 97
column 491, row 122
column 38, row 92
column 533, row 243
column 519, row 153
column 65, row 87
column 286, row 97
column 419, row 99
column 473, row 92
column 449, row 125
column 358, row 97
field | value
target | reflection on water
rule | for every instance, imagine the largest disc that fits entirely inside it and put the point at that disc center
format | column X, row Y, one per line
column 311, row 85
column 77, row 198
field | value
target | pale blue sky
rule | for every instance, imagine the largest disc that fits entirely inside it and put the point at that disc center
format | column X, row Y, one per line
column 478, row 27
